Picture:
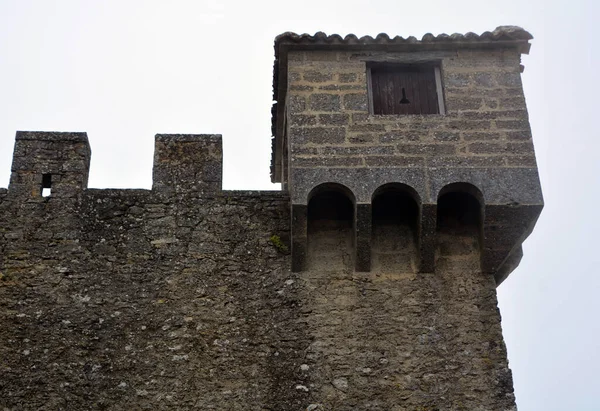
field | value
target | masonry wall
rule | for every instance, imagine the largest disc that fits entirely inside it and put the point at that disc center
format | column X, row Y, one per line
column 138, row 300
column 484, row 132
column 182, row 297
column 141, row 300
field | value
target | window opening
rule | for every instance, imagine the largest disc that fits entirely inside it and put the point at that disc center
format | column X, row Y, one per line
column 405, row 89
column 46, row 185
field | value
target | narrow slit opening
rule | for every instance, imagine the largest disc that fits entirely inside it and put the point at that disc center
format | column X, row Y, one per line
column 46, row 185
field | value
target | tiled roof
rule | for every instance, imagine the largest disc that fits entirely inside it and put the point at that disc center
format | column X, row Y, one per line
column 501, row 36
column 502, row 33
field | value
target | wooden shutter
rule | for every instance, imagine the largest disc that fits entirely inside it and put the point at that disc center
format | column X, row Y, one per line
column 418, row 82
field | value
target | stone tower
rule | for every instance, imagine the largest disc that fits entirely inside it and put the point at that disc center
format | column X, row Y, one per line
column 369, row 282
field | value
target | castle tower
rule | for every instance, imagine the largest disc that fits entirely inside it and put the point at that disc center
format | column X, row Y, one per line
column 410, row 167
column 440, row 115
column 409, row 184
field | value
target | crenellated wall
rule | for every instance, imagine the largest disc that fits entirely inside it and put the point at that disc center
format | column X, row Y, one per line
column 368, row 283
column 63, row 157
column 143, row 299
column 184, row 163
column 182, row 297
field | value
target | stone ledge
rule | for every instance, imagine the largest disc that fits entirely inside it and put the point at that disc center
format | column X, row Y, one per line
column 52, row 136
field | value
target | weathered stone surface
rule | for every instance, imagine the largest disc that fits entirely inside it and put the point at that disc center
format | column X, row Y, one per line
column 186, row 296
column 145, row 300
column 324, row 102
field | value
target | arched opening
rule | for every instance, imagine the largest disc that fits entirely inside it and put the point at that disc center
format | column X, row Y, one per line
column 330, row 228
column 395, row 228
column 459, row 221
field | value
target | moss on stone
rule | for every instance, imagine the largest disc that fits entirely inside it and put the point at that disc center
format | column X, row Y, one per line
column 279, row 245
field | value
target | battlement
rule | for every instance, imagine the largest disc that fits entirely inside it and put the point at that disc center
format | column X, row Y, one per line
column 510, row 199
column 409, row 184
column 56, row 161
column 60, row 162
column 363, row 115
column 185, row 162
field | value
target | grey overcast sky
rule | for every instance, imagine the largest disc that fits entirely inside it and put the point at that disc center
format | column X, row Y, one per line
column 125, row 70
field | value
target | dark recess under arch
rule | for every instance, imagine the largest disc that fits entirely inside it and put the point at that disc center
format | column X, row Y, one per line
column 330, row 228
column 395, row 228
column 460, row 220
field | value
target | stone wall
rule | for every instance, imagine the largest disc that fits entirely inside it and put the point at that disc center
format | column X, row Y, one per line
column 184, row 299
column 183, row 296
column 482, row 138
column 133, row 299
column 485, row 126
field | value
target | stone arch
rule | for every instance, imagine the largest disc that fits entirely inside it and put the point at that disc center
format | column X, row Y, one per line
column 331, row 187
column 463, row 187
column 331, row 227
column 395, row 217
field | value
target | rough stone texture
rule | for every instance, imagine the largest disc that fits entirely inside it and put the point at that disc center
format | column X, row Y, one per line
column 485, row 125
column 133, row 299
column 189, row 297
column 177, row 158
column 393, row 339
column 182, row 299
column 66, row 156
column 483, row 137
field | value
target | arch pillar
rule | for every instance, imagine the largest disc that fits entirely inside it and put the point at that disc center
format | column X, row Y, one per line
column 427, row 237
column 363, row 237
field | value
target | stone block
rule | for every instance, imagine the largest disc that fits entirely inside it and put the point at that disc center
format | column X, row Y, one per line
column 297, row 104
column 482, row 135
column 334, row 119
column 302, row 120
column 400, row 136
column 314, row 76
column 317, row 135
column 394, row 161
column 427, row 149
column 324, row 102
column 348, row 77
column 355, row 102
column 509, row 79
column 326, row 161
column 446, row 136
column 362, row 138
column 457, row 80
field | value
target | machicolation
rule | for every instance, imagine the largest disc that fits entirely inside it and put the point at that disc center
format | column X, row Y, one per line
column 368, row 282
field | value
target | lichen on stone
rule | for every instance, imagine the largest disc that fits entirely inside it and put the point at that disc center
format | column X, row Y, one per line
column 279, row 245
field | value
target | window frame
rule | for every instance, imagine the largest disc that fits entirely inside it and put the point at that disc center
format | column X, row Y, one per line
column 438, row 84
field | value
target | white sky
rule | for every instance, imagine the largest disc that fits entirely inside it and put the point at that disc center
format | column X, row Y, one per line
column 125, row 70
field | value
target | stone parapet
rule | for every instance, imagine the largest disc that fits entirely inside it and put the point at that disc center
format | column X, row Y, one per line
column 186, row 162
column 56, row 161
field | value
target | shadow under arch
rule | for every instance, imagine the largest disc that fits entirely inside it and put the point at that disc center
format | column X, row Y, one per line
column 460, row 214
column 396, row 213
column 331, row 187
column 331, row 227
